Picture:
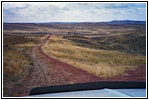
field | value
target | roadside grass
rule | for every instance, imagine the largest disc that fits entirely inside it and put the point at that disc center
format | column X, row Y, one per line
column 103, row 63
column 13, row 57
column 17, row 62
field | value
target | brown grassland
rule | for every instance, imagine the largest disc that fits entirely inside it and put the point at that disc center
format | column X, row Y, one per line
column 17, row 62
column 103, row 63
column 101, row 49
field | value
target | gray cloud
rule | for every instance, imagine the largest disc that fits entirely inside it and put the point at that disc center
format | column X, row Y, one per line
column 43, row 12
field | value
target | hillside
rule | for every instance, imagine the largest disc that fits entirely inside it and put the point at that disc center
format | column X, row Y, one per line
column 46, row 54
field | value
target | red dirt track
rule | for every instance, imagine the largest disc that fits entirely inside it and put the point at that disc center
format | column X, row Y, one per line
column 76, row 75
column 49, row 71
column 138, row 74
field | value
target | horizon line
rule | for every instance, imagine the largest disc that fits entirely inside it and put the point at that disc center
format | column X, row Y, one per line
column 77, row 22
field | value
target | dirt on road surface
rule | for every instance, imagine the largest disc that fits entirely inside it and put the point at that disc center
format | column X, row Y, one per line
column 48, row 71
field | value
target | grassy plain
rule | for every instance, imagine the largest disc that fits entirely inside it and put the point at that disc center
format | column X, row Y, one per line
column 16, row 59
column 103, row 49
column 103, row 63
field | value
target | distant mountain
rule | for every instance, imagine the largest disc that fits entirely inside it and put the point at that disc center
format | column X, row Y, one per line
column 126, row 22
column 110, row 22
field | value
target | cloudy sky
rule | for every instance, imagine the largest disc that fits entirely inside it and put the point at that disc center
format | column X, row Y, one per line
column 72, row 12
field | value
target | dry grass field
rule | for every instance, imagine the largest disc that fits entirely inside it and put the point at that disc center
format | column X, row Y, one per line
column 17, row 62
column 103, row 50
column 103, row 63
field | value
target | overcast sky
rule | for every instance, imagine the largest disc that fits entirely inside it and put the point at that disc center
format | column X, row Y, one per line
column 72, row 12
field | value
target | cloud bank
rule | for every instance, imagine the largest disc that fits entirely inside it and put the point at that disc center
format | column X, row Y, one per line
column 72, row 12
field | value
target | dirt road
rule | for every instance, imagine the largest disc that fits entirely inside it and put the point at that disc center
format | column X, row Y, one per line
column 48, row 71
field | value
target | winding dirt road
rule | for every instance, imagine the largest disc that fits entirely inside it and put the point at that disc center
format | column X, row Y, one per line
column 48, row 71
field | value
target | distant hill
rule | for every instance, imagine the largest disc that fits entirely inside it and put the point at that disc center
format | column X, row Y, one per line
column 126, row 22
column 109, row 22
